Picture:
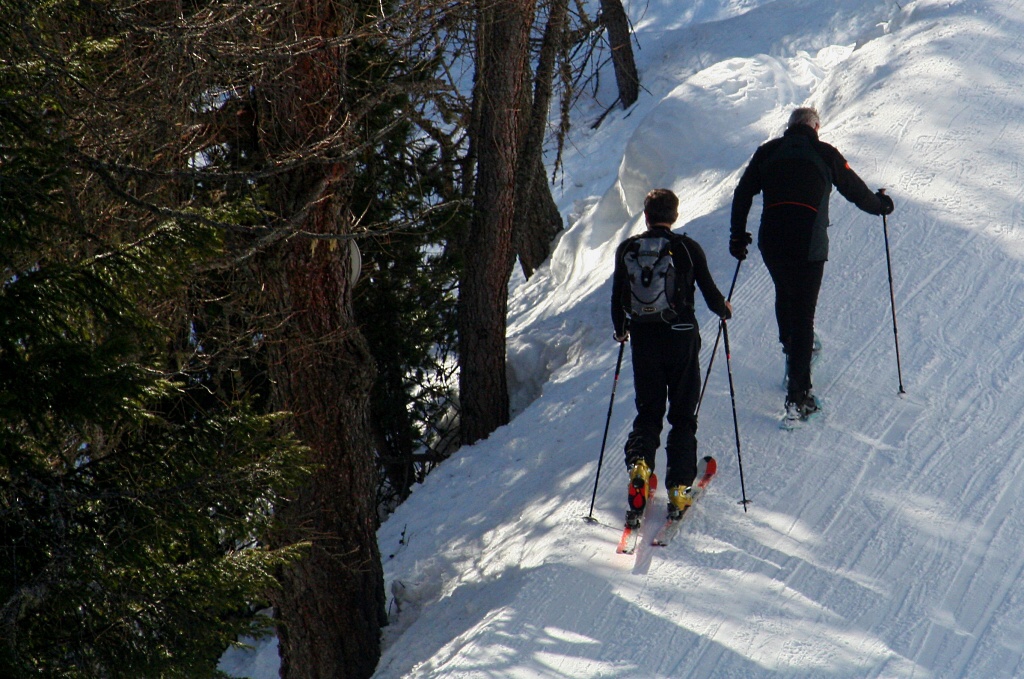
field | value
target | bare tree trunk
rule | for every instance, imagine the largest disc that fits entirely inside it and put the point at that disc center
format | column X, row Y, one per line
column 331, row 604
column 537, row 218
column 502, row 78
column 626, row 76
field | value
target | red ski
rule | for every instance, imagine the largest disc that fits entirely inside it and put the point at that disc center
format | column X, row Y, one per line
column 631, row 534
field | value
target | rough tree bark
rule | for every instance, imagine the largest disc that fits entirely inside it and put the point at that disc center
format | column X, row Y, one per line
column 502, row 79
column 331, row 605
column 537, row 218
column 615, row 21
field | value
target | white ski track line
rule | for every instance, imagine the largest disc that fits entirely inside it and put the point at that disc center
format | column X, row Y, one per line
column 967, row 587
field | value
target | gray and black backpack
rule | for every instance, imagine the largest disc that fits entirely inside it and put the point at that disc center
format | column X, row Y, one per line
column 653, row 278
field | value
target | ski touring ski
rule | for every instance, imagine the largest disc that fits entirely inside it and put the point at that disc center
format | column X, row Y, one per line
column 631, row 532
column 706, row 469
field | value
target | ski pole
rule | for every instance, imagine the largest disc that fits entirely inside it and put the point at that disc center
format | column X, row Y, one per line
column 892, row 300
column 735, row 420
column 604, row 439
column 714, row 350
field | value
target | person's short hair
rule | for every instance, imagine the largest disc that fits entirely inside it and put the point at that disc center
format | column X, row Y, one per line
column 661, row 206
column 804, row 116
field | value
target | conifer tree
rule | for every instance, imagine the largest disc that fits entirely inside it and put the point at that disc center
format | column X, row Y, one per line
column 129, row 518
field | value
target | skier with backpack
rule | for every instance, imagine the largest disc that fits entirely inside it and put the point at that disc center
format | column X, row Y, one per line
column 796, row 173
column 653, row 306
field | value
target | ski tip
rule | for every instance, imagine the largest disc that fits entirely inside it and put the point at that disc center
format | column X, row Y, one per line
column 711, row 467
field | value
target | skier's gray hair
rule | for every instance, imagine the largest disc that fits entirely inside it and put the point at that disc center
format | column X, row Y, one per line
column 804, row 116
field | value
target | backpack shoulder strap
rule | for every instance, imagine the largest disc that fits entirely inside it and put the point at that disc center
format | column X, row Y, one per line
column 681, row 239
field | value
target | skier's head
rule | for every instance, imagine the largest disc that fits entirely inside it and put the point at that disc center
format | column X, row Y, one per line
column 661, row 206
column 805, row 116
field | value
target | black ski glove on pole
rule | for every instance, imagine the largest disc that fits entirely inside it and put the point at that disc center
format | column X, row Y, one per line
column 738, row 245
column 886, row 201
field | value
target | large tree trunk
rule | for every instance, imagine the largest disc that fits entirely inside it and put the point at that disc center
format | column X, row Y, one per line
column 626, row 76
column 502, row 78
column 331, row 604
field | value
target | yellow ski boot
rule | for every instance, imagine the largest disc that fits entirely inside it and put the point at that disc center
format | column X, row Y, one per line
column 679, row 500
column 639, row 488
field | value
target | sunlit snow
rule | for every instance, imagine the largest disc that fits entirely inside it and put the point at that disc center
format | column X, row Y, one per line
column 883, row 540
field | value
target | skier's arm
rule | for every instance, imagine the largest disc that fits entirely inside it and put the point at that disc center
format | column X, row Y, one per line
column 743, row 197
column 618, row 287
column 852, row 187
column 713, row 297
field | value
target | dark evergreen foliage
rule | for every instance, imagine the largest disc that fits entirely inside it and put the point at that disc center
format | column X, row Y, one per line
column 406, row 308
column 129, row 515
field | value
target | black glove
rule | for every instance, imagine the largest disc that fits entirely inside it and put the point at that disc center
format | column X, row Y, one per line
column 738, row 245
column 624, row 337
column 886, row 201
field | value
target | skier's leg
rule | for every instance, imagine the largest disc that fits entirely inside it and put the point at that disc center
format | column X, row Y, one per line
column 807, row 279
column 781, row 278
column 684, row 390
column 779, row 271
column 649, row 397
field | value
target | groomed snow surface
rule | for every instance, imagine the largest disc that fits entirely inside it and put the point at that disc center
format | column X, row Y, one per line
column 886, row 539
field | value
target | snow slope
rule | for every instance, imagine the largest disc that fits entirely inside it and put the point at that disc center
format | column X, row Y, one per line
column 883, row 540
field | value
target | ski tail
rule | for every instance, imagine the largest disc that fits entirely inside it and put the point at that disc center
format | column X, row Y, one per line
column 710, row 469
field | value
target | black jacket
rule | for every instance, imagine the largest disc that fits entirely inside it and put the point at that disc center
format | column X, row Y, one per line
column 697, row 272
column 796, row 173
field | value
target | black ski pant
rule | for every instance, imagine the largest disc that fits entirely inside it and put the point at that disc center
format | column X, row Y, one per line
column 797, row 284
column 666, row 368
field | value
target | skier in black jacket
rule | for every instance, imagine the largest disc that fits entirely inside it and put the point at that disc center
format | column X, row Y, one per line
column 796, row 173
column 664, row 349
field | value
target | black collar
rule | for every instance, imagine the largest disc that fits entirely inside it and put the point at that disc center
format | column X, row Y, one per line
column 805, row 130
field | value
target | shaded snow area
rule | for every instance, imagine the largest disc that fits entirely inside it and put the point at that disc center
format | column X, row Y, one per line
column 882, row 540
